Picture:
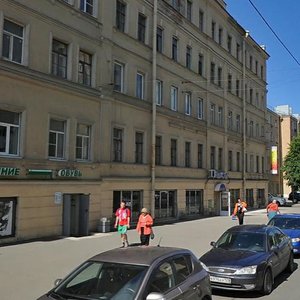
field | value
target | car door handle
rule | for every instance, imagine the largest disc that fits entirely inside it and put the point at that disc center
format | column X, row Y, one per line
column 196, row 287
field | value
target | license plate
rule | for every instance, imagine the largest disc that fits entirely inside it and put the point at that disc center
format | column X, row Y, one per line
column 220, row 279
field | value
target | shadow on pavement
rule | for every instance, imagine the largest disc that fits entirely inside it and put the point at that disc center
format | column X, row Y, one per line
column 284, row 276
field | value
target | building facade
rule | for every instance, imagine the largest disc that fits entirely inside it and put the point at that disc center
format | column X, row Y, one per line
column 160, row 103
column 289, row 129
column 274, row 157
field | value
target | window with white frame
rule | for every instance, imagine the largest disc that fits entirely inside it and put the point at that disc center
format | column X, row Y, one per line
column 117, row 144
column 220, row 71
column 141, row 28
column 213, row 30
column 200, row 156
column 140, row 82
column 57, row 132
column 174, row 98
column 139, row 146
column 230, row 120
column 158, row 92
column 220, row 116
column 83, row 137
column 188, row 59
column 13, row 41
column 200, row 65
column 229, row 160
column 189, row 9
column 229, row 86
column 174, row 48
column 85, row 68
column 229, row 43
column 87, row 6
column 159, row 39
column 212, row 72
column 9, row 132
column 121, row 15
column 59, row 59
column 118, row 77
column 213, row 113
column 187, row 104
column 187, row 154
column 238, row 123
column 201, row 20
column 200, row 113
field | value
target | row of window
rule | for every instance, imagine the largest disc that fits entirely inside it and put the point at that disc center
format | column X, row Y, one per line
column 218, row 35
column 86, row 6
column 251, row 63
column 10, row 123
column 13, row 50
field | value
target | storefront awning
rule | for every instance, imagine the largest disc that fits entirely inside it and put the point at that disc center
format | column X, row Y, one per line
column 220, row 187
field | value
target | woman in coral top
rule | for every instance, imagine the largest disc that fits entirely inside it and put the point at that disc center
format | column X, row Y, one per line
column 239, row 210
column 272, row 209
column 144, row 226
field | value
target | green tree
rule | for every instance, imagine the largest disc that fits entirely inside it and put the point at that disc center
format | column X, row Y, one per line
column 291, row 164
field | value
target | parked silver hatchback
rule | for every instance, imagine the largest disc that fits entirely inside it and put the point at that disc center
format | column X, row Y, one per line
column 136, row 273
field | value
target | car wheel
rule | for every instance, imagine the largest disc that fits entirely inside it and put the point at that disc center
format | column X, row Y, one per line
column 290, row 266
column 267, row 283
column 295, row 201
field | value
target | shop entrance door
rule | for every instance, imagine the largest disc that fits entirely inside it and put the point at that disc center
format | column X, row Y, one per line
column 76, row 214
column 133, row 201
column 225, row 208
column 165, row 204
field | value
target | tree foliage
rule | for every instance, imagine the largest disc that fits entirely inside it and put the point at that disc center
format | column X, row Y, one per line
column 291, row 164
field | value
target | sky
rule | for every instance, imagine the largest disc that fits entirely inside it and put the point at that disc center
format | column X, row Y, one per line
column 283, row 73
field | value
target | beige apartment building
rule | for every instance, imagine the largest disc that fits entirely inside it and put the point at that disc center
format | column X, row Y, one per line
column 160, row 103
column 289, row 127
column 274, row 156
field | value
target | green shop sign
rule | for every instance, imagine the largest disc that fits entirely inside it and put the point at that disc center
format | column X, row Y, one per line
column 69, row 173
column 6, row 171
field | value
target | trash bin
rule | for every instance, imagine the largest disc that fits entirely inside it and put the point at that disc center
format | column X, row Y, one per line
column 104, row 225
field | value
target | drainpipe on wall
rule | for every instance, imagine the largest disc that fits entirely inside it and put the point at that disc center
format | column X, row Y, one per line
column 153, row 138
column 244, row 115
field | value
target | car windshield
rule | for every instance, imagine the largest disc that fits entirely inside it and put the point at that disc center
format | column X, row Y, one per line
column 102, row 280
column 234, row 240
column 286, row 223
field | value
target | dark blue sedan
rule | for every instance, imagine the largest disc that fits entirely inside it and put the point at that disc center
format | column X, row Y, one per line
column 290, row 225
column 249, row 257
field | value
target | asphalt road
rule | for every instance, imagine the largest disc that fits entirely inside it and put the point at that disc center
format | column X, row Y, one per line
column 28, row 270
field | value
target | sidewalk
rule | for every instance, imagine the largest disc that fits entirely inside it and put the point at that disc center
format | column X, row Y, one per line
column 28, row 270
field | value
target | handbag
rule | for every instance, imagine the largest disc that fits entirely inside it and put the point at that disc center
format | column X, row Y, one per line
column 152, row 235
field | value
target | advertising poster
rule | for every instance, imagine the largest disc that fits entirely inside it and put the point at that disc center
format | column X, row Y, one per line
column 274, row 165
column 7, row 217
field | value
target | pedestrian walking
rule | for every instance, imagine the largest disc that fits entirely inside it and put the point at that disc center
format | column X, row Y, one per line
column 144, row 226
column 272, row 209
column 239, row 210
column 123, row 222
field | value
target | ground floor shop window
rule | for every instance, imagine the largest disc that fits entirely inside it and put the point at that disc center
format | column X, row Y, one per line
column 194, row 202
column 133, row 199
column 7, row 217
column 261, row 201
column 165, row 204
column 234, row 195
column 249, row 197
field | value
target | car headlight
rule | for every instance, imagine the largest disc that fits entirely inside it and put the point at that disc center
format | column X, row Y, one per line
column 295, row 240
column 246, row 270
column 204, row 266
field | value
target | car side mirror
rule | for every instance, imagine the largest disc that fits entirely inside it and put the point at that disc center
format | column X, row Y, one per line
column 57, row 282
column 155, row 296
column 213, row 244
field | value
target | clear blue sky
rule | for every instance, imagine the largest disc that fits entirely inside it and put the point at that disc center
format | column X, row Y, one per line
column 283, row 73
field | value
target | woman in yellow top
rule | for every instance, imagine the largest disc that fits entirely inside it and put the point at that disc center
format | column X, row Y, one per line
column 239, row 210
